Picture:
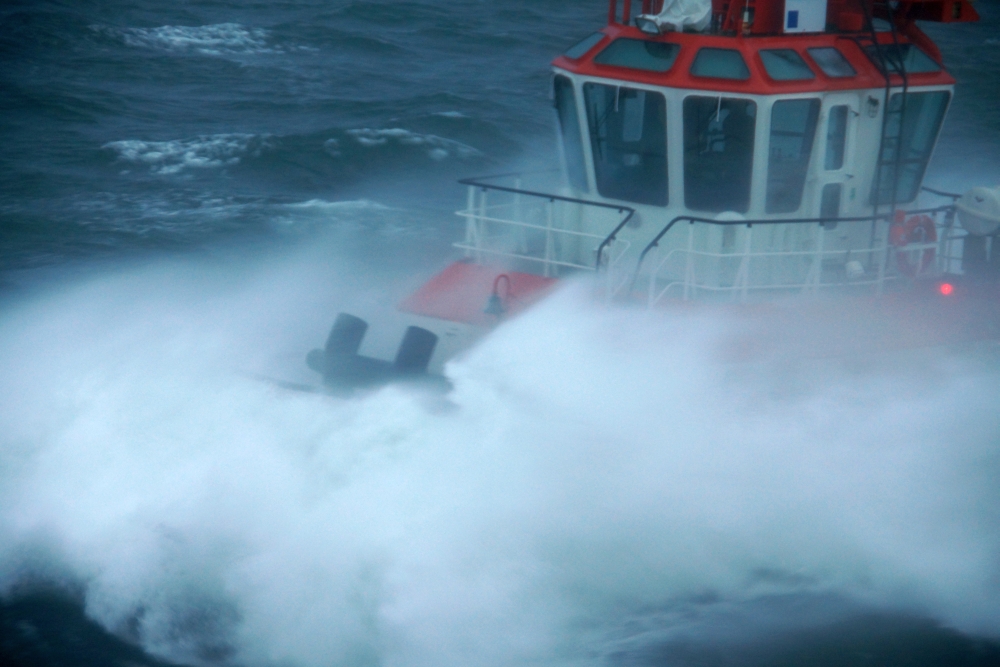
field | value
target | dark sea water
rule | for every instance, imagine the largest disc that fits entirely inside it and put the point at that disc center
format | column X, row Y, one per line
column 190, row 191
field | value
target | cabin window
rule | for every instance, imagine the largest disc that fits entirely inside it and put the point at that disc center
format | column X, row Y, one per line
column 913, row 60
column 628, row 136
column 580, row 49
column 793, row 126
column 831, row 61
column 718, row 153
column 569, row 128
column 720, row 64
column 785, row 65
column 836, row 137
column 910, row 134
column 639, row 54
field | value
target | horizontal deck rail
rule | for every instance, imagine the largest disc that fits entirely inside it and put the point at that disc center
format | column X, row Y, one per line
column 514, row 214
column 812, row 278
column 558, row 231
column 772, row 221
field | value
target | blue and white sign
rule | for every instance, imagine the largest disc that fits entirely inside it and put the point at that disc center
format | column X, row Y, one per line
column 805, row 15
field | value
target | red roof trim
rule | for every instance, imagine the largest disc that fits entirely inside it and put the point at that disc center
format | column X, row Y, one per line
column 759, row 83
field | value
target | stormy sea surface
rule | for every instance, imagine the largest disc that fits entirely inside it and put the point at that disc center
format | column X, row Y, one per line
column 190, row 191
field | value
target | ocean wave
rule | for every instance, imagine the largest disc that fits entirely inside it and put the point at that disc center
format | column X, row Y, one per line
column 545, row 510
column 204, row 152
column 438, row 148
column 207, row 39
column 352, row 204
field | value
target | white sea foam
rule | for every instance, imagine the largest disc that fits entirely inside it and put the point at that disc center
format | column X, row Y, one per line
column 438, row 148
column 215, row 39
column 599, row 463
column 349, row 205
column 206, row 152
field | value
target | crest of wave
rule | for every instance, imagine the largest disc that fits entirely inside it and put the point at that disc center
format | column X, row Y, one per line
column 212, row 39
column 596, row 463
column 206, row 152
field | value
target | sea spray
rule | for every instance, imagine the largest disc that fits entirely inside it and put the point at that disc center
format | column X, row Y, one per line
column 600, row 464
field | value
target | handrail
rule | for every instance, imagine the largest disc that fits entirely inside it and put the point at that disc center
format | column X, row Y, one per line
column 544, row 195
column 477, row 182
column 947, row 208
column 609, row 239
column 464, row 181
column 777, row 221
column 716, row 288
column 749, row 223
column 941, row 193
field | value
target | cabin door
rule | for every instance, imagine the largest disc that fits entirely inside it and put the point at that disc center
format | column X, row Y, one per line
column 837, row 193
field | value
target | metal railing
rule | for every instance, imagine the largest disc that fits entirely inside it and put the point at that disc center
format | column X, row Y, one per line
column 534, row 227
column 552, row 234
column 688, row 280
column 950, row 237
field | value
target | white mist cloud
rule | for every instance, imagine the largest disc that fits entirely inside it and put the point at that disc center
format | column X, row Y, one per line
column 600, row 462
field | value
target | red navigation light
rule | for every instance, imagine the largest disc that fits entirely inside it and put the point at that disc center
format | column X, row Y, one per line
column 946, row 289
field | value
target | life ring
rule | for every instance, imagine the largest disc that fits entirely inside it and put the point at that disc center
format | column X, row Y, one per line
column 918, row 229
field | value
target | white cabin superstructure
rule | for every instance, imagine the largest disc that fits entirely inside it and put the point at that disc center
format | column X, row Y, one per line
column 784, row 158
column 717, row 150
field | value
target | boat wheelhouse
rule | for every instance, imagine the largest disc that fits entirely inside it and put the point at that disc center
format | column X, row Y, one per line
column 786, row 138
column 725, row 150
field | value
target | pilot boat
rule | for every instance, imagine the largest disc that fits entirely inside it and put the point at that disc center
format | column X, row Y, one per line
column 728, row 151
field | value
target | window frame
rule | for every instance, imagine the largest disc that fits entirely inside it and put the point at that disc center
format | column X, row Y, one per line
column 578, row 179
column 819, row 65
column 774, row 53
column 694, row 197
column 606, row 185
column 622, row 41
column 705, row 49
column 775, row 199
column 885, row 185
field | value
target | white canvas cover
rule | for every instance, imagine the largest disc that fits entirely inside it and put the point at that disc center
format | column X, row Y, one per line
column 683, row 14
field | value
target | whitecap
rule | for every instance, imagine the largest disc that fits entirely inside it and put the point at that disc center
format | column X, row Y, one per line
column 204, row 152
column 352, row 204
column 207, row 39
column 438, row 148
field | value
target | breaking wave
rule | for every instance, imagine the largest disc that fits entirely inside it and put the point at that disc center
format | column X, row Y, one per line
column 437, row 148
column 207, row 39
column 166, row 158
column 601, row 480
column 206, row 152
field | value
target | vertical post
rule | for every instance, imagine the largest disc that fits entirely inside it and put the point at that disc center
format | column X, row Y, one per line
column 470, row 219
column 883, row 257
column 944, row 246
column 944, row 241
column 650, row 299
column 743, row 275
column 816, row 270
column 612, row 10
column 609, row 275
column 548, row 240
column 519, row 232
column 689, row 265
column 481, row 226
column 626, row 12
